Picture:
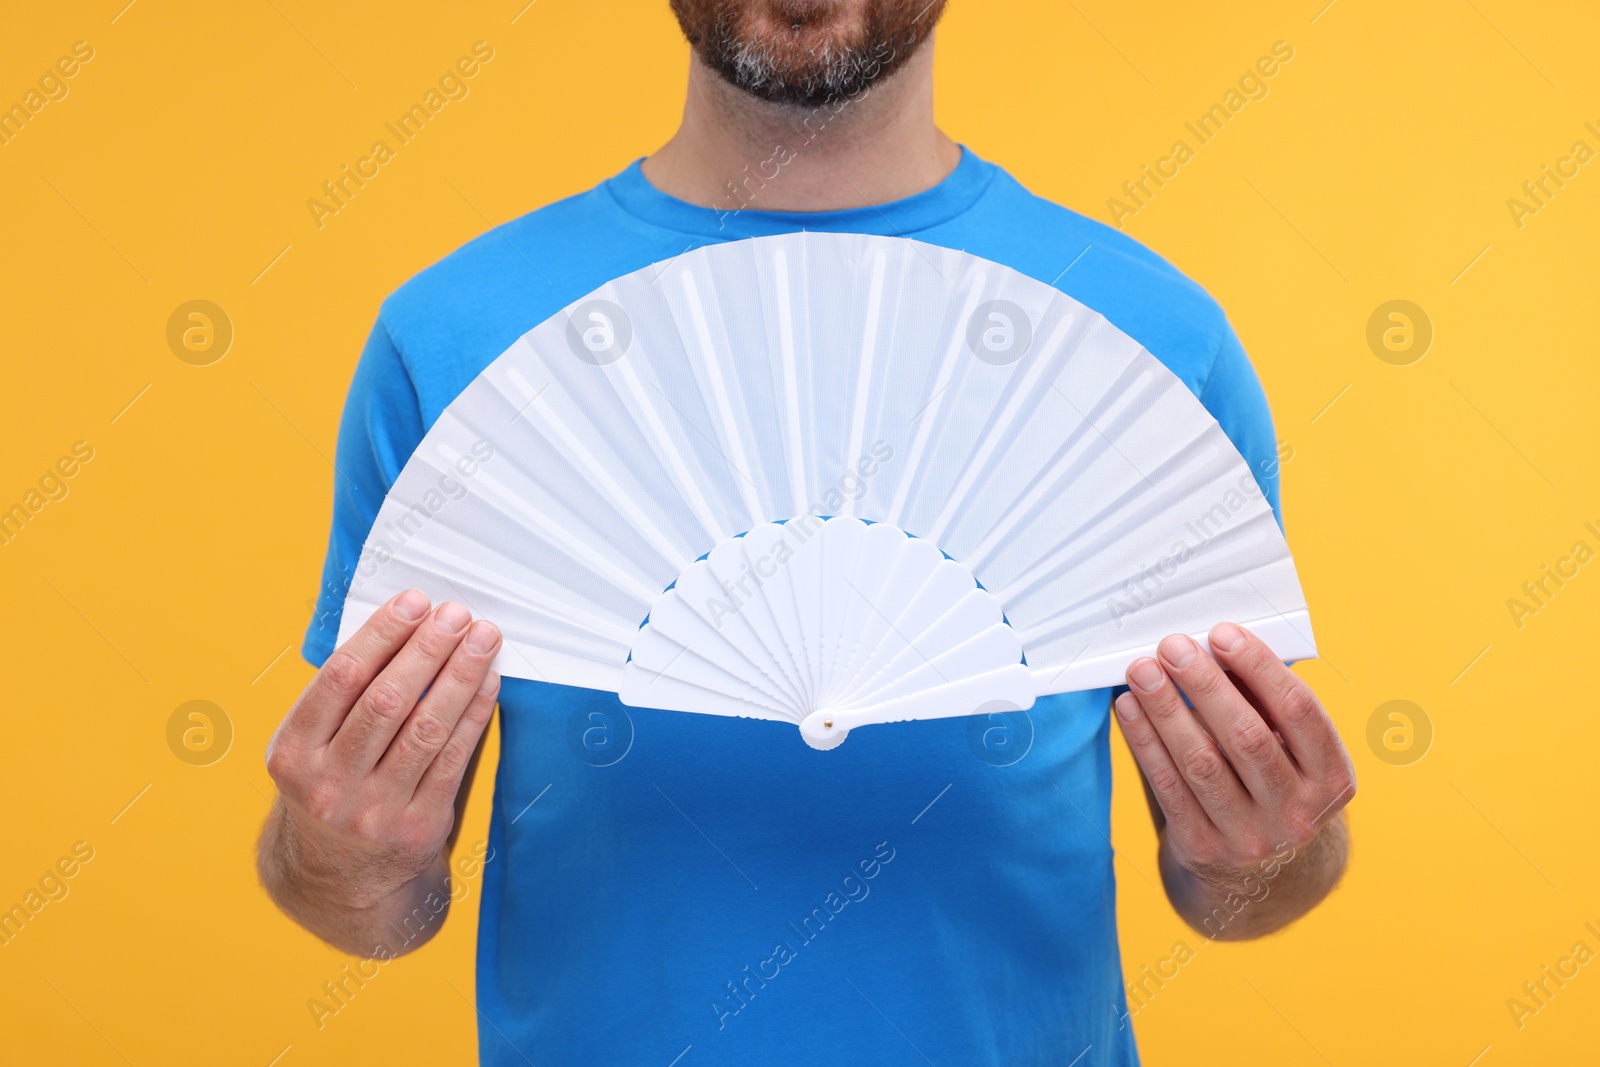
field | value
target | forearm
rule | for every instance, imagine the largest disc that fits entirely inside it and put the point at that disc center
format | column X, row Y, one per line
column 341, row 904
column 1235, row 904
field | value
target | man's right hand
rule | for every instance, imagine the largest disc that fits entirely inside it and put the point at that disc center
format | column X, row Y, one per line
column 369, row 762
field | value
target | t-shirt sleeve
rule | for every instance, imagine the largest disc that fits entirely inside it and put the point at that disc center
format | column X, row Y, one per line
column 380, row 428
column 1233, row 395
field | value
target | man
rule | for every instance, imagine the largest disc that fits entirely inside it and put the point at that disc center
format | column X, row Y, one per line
column 659, row 885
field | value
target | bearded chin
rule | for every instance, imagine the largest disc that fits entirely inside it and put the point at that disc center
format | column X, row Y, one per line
column 832, row 72
column 805, row 66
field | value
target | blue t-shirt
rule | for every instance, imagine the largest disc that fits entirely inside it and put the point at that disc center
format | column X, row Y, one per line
column 667, row 884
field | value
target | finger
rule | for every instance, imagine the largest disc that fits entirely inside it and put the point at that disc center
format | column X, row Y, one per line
column 1261, row 709
column 442, row 780
column 431, row 722
column 345, row 675
column 380, row 710
column 1177, row 800
column 1257, row 757
column 1197, row 757
column 1307, row 730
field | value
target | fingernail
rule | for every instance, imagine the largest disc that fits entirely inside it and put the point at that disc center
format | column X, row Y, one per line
column 1127, row 706
column 452, row 617
column 491, row 683
column 1227, row 637
column 1179, row 650
column 482, row 637
column 1146, row 673
column 411, row 605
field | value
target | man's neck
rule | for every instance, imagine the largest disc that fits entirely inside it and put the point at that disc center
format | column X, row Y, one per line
column 735, row 151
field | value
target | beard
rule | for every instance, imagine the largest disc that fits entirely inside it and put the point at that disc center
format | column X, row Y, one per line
column 806, row 52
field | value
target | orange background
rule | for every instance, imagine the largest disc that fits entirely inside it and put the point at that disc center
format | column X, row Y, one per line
column 181, row 562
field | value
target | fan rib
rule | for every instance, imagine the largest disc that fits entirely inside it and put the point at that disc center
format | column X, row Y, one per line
column 556, row 533
column 757, row 611
column 863, row 386
column 1107, row 526
column 976, row 609
column 989, row 649
column 685, row 481
column 580, row 456
column 719, row 390
column 930, row 411
column 677, row 620
column 1018, row 395
column 794, row 445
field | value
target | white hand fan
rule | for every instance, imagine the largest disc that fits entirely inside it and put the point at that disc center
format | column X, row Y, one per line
column 832, row 479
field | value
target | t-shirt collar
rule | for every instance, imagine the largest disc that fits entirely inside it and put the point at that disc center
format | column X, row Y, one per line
column 959, row 190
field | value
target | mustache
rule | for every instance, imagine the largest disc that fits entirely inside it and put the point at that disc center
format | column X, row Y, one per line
column 800, row 13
